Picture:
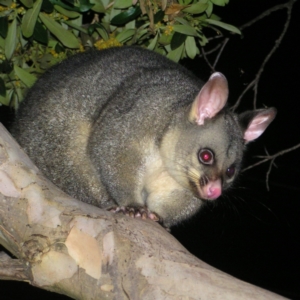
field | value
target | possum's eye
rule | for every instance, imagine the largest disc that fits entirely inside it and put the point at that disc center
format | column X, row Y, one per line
column 230, row 171
column 206, row 156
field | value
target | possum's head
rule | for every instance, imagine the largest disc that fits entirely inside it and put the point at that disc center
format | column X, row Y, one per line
column 205, row 154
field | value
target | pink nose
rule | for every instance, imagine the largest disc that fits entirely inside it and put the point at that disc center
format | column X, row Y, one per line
column 212, row 190
column 213, row 193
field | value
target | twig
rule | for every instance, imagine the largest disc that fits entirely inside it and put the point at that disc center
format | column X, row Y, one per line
column 268, row 174
column 218, row 36
column 269, row 157
column 206, row 59
column 204, row 54
column 268, row 12
column 220, row 52
column 211, row 51
column 288, row 6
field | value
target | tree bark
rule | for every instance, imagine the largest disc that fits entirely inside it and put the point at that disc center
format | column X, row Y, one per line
column 79, row 250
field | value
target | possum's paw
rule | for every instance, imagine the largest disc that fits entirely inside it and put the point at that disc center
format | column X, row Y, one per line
column 139, row 212
column 136, row 212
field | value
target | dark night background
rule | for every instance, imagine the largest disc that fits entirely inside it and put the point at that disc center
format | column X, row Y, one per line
column 249, row 233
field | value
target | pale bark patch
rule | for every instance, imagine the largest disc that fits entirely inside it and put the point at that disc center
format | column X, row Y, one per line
column 7, row 186
column 39, row 211
column 54, row 267
column 84, row 248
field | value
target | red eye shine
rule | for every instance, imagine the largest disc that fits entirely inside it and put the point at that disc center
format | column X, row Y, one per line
column 206, row 156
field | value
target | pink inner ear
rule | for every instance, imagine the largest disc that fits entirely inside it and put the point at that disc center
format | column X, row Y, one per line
column 257, row 126
column 212, row 98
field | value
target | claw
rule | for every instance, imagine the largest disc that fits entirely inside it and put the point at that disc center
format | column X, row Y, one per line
column 136, row 212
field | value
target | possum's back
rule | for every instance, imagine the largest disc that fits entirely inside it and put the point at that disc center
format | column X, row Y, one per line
column 93, row 74
column 54, row 122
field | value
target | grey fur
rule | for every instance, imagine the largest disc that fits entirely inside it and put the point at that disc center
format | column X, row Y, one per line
column 97, row 124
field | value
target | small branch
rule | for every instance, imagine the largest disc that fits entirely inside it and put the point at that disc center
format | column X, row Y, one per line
column 216, row 37
column 13, row 269
column 220, row 52
column 268, row 12
column 254, row 83
column 206, row 59
column 271, row 157
column 268, row 173
column 212, row 50
column 204, row 54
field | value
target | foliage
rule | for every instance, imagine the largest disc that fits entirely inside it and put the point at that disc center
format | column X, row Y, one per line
column 36, row 34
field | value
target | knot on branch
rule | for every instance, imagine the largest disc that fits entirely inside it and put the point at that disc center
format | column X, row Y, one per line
column 35, row 247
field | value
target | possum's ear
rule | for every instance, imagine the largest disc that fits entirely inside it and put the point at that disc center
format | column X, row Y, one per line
column 210, row 100
column 256, row 122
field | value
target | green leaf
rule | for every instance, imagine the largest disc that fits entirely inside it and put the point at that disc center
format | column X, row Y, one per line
column 40, row 33
column 98, row 6
column 177, row 40
column 224, row 25
column 84, row 5
column 126, row 16
column 215, row 17
column 203, row 40
column 125, row 35
column 153, row 43
column 122, row 4
column 75, row 26
column 11, row 39
column 2, row 42
column 91, row 29
column 47, row 6
column 27, row 78
column 18, row 97
column 6, row 3
column 3, row 26
column 190, row 47
column 59, row 48
column 185, row 29
column 209, row 9
column 105, row 2
column 182, row 21
column 2, row 88
column 5, row 67
column 67, row 38
column 159, row 16
column 196, row 8
column 165, row 39
column 6, row 100
column 70, row 14
column 131, row 25
column 175, row 55
column 102, row 31
column 141, row 33
column 29, row 19
column 185, row 2
column 27, row 3
column 218, row 2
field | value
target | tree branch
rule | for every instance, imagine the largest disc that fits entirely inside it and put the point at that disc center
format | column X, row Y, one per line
column 254, row 83
column 271, row 159
column 79, row 250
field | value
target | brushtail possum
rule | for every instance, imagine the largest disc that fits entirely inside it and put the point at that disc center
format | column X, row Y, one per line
column 126, row 127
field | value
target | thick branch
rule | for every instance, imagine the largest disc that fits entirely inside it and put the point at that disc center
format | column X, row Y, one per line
column 87, row 253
